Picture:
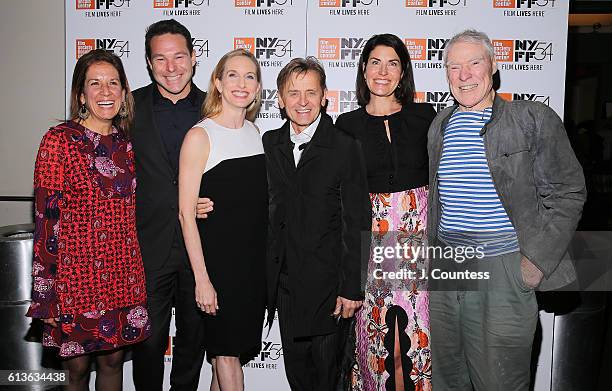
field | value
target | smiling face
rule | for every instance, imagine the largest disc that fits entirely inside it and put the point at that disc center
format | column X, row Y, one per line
column 102, row 93
column 172, row 65
column 383, row 71
column 302, row 98
column 238, row 85
column 469, row 71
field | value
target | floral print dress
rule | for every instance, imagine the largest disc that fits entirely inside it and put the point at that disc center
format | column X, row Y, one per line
column 87, row 268
column 397, row 219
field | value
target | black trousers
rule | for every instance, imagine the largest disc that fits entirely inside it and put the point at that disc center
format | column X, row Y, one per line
column 310, row 362
column 172, row 284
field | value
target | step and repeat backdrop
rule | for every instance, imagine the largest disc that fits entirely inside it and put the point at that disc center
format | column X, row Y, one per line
column 529, row 37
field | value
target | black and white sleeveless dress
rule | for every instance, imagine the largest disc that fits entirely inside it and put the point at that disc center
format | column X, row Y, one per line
column 234, row 238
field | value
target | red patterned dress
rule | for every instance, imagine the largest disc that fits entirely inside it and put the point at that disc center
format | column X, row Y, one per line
column 87, row 268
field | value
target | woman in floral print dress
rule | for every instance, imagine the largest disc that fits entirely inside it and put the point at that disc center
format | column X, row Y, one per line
column 392, row 327
column 88, row 277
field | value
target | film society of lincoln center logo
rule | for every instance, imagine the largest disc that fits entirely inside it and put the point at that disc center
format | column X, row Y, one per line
column 426, row 52
column 102, row 8
column 348, row 7
column 119, row 47
column 169, row 350
column 436, row 7
column 263, row 7
column 522, row 54
column 524, row 8
column 180, row 7
column 340, row 52
column 269, row 51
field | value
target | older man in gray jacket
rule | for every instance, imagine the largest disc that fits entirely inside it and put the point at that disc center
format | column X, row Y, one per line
column 505, row 181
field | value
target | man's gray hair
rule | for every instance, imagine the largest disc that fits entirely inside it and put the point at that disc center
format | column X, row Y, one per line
column 470, row 36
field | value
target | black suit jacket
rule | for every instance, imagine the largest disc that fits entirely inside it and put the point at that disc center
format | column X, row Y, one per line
column 318, row 212
column 157, row 183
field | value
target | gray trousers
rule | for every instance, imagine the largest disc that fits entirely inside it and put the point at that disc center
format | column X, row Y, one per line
column 482, row 333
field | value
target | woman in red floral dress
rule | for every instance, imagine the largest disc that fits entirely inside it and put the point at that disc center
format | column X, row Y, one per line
column 89, row 287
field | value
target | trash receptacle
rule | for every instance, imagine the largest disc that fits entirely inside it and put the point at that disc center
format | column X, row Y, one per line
column 17, row 350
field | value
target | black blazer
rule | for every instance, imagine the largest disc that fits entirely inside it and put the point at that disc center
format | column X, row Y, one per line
column 157, row 183
column 318, row 212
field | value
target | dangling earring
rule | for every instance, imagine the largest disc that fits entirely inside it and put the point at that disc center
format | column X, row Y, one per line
column 83, row 112
column 123, row 113
column 253, row 103
column 399, row 85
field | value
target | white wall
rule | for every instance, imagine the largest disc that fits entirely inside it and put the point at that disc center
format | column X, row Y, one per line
column 32, row 98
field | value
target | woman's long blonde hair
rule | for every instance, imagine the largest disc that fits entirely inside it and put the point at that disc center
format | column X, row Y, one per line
column 212, row 105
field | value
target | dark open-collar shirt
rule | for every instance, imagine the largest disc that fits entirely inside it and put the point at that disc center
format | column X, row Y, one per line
column 173, row 120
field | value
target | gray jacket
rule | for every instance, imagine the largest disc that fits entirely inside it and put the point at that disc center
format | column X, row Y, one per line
column 537, row 177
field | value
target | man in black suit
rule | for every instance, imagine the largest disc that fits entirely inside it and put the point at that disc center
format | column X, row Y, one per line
column 319, row 206
column 165, row 110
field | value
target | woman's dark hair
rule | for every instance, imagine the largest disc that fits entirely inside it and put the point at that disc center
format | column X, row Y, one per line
column 168, row 26
column 78, row 85
column 405, row 90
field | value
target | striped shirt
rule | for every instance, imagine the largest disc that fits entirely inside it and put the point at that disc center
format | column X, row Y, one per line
column 472, row 213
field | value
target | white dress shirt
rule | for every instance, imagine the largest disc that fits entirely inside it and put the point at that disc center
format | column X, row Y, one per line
column 303, row 137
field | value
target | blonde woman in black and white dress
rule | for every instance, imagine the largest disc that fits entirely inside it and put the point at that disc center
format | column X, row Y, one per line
column 222, row 159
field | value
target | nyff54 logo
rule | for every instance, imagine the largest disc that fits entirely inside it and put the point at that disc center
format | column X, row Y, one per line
column 200, row 47
column 426, row 49
column 179, row 3
column 522, row 50
column 269, row 99
column 341, row 101
column 525, row 96
column 347, row 3
column 270, row 351
column 101, row 4
column 340, row 48
column 119, row 47
column 523, row 3
column 438, row 99
column 265, row 47
column 261, row 3
column 435, row 3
